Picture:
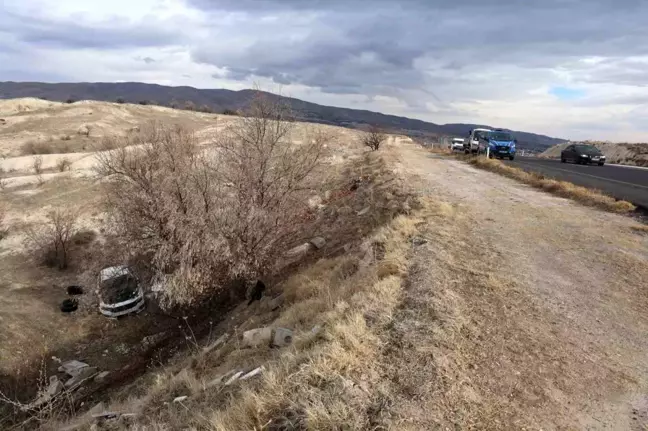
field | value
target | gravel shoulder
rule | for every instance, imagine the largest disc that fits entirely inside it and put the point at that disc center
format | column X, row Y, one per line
column 527, row 311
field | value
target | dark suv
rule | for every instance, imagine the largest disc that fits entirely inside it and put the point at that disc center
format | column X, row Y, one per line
column 582, row 153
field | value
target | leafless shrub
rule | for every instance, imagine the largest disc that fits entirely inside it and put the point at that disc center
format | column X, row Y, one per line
column 37, row 165
column 373, row 138
column 63, row 164
column 210, row 216
column 50, row 242
column 3, row 227
column 46, row 147
column 83, row 237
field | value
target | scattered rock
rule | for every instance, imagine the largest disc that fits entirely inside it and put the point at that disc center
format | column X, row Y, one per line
column 253, row 373
column 84, row 130
column 83, row 375
column 364, row 211
column 180, row 399
column 327, row 195
column 234, row 378
column 153, row 340
column 55, row 386
column 282, row 337
column 101, row 376
column 217, row 343
column 218, row 381
column 277, row 302
column 106, row 415
column 419, row 241
column 72, row 367
column 315, row 201
column 97, row 409
column 257, row 337
column 318, row 242
column 316, row 329
column 134, row 129
column 355, row 185
column 279, row 337
column 299, row 250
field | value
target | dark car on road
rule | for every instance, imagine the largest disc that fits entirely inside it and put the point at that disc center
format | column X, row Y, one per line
column 582, row 154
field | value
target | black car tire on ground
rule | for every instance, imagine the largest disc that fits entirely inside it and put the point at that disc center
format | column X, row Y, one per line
column 69, row 305
column 74, row 290
column 511, row 157
column 562, row 160
column 601, row 163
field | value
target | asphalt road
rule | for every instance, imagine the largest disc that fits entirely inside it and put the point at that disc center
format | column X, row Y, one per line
column 622, row 182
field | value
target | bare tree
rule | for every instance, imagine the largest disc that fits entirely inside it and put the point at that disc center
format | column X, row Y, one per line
column 208, row 215
column 51, row 241
column 373, row 138
column 266, row 179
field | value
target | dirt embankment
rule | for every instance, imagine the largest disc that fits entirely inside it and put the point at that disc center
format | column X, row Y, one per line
column 527, row 311
column 619, row 153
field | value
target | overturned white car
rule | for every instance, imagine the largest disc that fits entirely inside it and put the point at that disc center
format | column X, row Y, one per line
column 119, row 292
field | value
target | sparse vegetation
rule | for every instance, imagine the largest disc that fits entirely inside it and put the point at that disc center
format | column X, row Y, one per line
column 561, row 188
column 120, row 100
column 373, row 138
column 230, row 112
column 189, row 106
column 50, row 242
column 83, row 237
column 70, row 100
column 47, row 147
column 37, row 164
column 63, row 164
column 207, row 218
column 3, row 227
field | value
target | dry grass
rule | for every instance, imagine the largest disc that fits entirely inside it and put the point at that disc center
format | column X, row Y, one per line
column 326, row 380
column 47, row 147
column 641, row 228
column 561, row 188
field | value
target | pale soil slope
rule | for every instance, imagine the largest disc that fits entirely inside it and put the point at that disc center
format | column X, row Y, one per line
column 527, row 311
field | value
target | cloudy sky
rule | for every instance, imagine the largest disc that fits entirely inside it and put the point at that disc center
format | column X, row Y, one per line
column 569, row 68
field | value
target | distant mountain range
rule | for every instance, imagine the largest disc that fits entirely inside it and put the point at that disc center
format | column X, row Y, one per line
column 220, row 100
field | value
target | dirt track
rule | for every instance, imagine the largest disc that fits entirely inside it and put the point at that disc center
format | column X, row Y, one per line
column 528, row 311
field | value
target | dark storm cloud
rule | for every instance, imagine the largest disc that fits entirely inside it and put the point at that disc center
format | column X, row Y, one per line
column 383, row 46
column 68, row 33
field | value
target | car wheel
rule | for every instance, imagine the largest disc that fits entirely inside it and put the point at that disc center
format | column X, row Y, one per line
column 562, row 160
column 69, row 305
column 601, row 164
column 511, row 157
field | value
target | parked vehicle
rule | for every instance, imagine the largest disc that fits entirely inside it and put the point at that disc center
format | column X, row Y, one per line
column 582, row 153
column 501, row 144
column 457, row 144
column 474, row 138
